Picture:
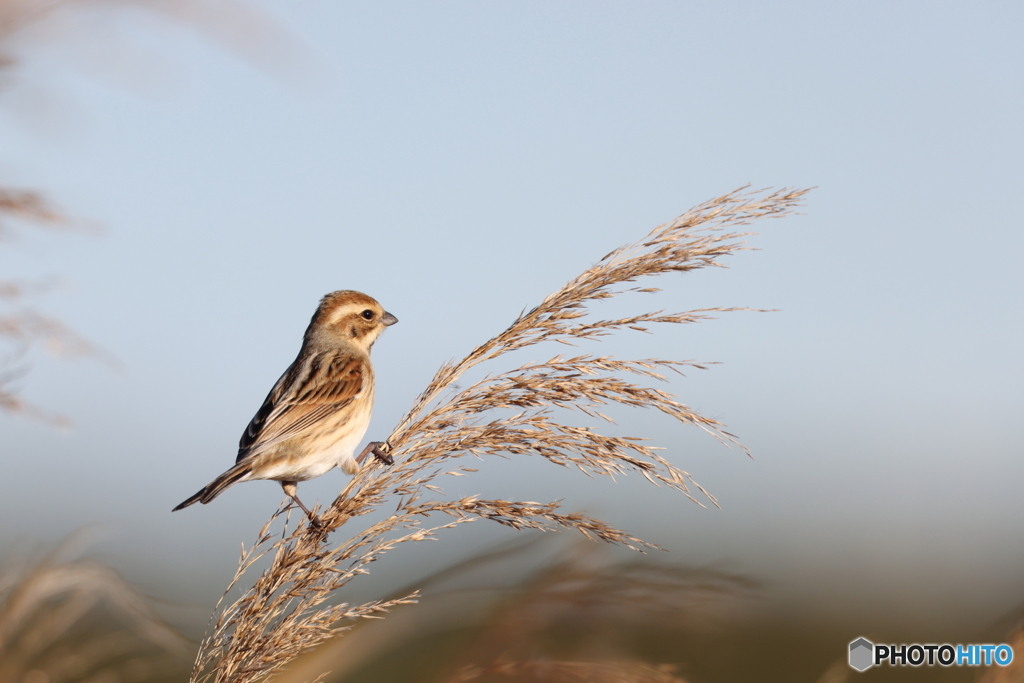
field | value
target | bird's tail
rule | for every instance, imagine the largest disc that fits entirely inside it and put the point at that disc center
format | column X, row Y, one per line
column 216, row 487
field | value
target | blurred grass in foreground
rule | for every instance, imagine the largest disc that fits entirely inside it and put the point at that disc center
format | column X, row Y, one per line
column 518, row 612
column 580, row 616
column 64, row 619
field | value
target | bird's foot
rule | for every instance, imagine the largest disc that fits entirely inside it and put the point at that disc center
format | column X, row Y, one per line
column 379, row 449
column 291, row 491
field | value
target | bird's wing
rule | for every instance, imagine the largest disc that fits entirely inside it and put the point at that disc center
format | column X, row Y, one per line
column 304, row 395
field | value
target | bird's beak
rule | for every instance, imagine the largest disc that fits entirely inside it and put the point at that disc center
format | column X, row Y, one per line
column 388, row 319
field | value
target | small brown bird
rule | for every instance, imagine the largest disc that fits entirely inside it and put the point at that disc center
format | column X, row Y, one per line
column 316, row 414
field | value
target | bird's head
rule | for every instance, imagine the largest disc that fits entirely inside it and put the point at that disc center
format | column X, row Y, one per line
column 349, row 316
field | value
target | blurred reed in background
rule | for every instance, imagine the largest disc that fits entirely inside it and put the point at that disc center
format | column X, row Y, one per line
column 537, row 609
column 59, row 23
column 583, row 614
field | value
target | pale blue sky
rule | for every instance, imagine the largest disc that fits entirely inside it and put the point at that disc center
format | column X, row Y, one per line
column 460, row 160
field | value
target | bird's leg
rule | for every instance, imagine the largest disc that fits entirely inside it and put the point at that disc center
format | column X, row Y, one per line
column 290, row 489
column 375, row 448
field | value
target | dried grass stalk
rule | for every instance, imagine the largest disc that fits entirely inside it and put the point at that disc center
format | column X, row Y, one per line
column 285, row 611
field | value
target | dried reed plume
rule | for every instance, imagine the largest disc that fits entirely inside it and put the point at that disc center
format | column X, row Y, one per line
column 285, row 612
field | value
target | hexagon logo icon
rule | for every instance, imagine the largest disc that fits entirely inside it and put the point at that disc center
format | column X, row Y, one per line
column 862, row 654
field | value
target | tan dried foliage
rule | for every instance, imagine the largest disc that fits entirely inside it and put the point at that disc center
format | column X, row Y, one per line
column 285, row 612
column 27, row 205
column 63, row 619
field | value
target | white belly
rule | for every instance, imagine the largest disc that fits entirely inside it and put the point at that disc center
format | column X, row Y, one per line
column 303, row 458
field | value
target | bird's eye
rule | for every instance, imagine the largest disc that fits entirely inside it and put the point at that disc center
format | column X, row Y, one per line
column 367, row 314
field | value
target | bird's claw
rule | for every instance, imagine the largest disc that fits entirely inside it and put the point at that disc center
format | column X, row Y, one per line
column 379, row 449
column 381, row 454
